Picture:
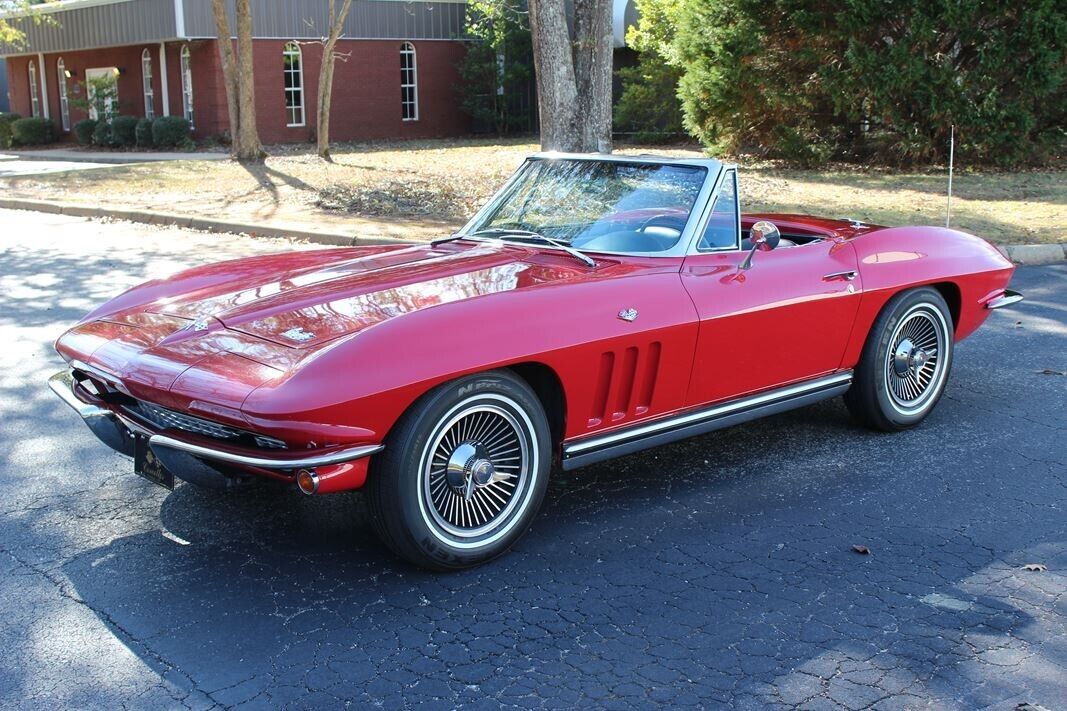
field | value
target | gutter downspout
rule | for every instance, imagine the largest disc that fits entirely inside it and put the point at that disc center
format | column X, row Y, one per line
column 179, row 33
column 44, row 86
column 179, row 18
column 165, row 78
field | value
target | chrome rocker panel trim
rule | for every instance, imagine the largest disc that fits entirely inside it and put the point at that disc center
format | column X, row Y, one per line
column 671, row 429
column 114, row 431
column 1008, row 298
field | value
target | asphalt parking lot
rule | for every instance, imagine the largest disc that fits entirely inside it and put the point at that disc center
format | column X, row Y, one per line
column 713, row 572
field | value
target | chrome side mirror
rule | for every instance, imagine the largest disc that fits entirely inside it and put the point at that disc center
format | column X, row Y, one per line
column 764, row 236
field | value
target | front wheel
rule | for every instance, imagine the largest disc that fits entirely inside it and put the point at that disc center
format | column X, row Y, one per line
column 463, row 472
column 905, row 362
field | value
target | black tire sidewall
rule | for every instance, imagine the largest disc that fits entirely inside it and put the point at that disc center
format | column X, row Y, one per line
column 401, row 472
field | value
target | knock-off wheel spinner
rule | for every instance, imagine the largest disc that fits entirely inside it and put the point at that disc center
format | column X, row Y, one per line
column 471, row 467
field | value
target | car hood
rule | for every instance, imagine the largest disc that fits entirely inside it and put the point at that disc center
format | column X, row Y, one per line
column 306, row 307
column 218, row 332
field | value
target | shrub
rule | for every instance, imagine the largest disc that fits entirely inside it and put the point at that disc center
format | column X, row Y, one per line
column 648, row 108
column 497, row 68
column 5, row 128
column 102, row 134
column 33, row 131
column 809, row 81
column 144, row 133
column 84, row 130
column 170, row 131
column 124, row 131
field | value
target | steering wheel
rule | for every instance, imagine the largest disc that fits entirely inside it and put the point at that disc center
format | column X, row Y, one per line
column 672, row 222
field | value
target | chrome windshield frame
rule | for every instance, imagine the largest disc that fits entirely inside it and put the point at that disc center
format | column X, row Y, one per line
column 709, row 188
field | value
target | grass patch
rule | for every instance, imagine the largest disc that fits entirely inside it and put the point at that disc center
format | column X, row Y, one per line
column 441, row 183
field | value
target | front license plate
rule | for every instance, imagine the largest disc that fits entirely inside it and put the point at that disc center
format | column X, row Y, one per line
column 145, row 464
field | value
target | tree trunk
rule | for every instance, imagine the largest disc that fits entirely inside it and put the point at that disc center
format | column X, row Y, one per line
column 229, row 78
column 249, row 147
column 573, row 69
column 238, row 78
column 329, row 58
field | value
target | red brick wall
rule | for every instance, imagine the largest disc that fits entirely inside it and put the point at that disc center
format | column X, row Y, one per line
column 18, row 84
column 366, row 90
column 130, row 86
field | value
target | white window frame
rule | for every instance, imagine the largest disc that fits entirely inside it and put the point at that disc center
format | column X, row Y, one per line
column 187, row 84
column 64, row 102
column 292, row 49
column 407, row 52
column 146, row 84
column 35, row 99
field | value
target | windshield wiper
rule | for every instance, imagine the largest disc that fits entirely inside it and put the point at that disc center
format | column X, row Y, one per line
column 503, row 231
column 446, row 240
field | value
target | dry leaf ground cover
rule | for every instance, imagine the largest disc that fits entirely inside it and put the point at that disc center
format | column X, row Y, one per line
column 418, row 189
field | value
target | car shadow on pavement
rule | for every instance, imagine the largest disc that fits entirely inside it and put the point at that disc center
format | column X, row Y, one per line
column 701, row 570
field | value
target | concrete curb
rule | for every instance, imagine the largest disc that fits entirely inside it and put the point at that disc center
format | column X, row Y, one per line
column 1027, row 254
column 109, row 157
column 197, row 223
column 1032, row 254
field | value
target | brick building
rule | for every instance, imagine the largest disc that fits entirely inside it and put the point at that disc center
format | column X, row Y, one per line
column 398, row 79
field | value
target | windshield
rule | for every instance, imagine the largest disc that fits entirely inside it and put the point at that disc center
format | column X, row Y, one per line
column 597, row 205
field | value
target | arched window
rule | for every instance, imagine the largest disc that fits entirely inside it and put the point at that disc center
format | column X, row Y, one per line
column 187, row 84
column 64, row 104
column 409, row 83
column 146, row 79
column 35, row 104
column 293, row 75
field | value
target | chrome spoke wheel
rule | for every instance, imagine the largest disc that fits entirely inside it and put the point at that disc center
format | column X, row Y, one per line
column 915, row 360
column 476, row 470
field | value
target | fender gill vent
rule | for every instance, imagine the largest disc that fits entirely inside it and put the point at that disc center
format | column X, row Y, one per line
column 625, row 384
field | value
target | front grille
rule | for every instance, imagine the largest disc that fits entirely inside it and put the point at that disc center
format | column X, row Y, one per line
column 165, row 419
column 169, row 419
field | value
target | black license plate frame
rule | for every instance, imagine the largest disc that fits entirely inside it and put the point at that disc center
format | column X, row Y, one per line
column 148, row 466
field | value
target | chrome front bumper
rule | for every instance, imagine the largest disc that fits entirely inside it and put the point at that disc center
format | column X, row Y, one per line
column 118, row 433
column 1008, row 298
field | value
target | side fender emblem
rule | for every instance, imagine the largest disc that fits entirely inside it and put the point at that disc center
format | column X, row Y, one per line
column 628, row 315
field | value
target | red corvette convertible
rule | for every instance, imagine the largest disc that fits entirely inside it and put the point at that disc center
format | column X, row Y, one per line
column 596, row 306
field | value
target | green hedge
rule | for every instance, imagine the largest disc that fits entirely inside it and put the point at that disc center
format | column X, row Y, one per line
column 855, row 80
column 6, row 119
column 83, row 131
column 33, row 131
column 124, row 131
column 144, row 133
column 171, row 131
column 102, row 134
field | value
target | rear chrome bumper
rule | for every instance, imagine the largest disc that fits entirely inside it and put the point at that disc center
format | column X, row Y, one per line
column 117, row 432
column 1008, row 298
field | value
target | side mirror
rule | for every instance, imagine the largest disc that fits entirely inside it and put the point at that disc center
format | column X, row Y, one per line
column 764, row 236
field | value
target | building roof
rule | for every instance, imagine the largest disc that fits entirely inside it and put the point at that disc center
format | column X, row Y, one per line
column 70, row 25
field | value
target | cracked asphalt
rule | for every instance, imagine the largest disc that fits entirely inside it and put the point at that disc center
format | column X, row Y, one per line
column 714, row 572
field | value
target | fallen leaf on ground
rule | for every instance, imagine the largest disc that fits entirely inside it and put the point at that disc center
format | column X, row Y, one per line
column 862, row 550
column 1035, row 567
column 1050, row 371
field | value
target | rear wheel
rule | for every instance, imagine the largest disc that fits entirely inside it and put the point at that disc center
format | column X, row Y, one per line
column 905, row 362
column 463, row 472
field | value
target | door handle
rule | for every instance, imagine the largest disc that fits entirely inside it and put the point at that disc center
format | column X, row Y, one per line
column 847, row 276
